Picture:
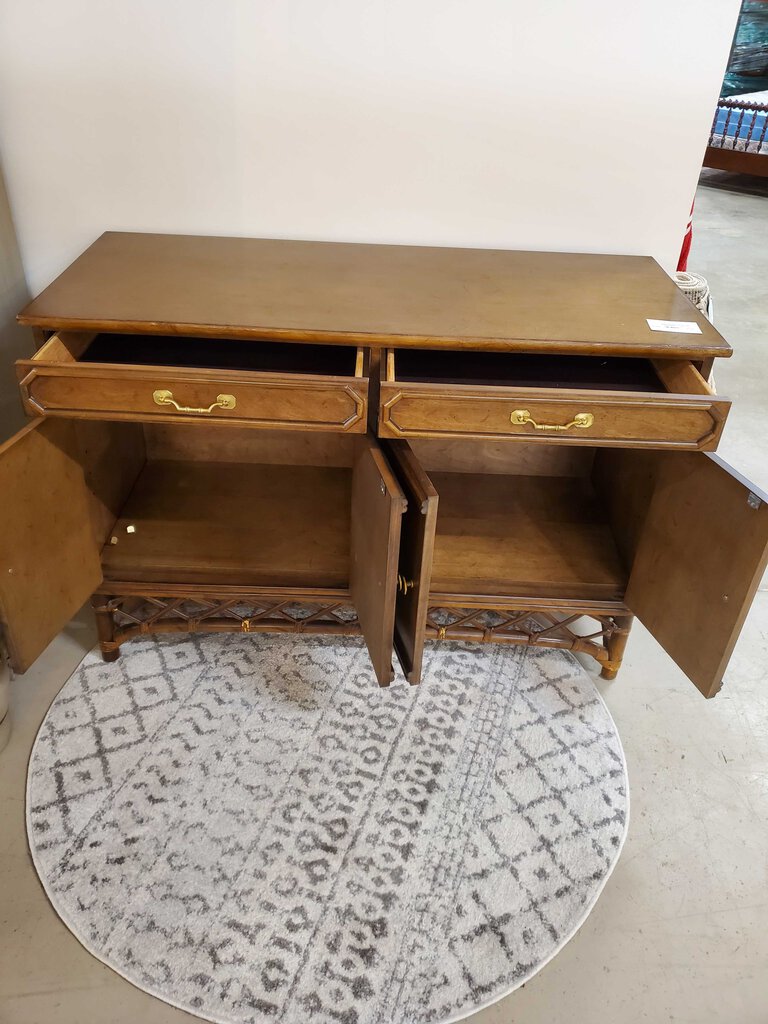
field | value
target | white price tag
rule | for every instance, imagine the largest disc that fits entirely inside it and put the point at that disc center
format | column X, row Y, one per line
column 674, row 326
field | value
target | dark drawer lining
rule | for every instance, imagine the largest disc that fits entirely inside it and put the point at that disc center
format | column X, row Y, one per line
column 501, row 369
column 221, row 354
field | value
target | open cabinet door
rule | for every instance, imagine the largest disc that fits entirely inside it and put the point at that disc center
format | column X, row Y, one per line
column 417, row 542
column 378, row 505
column 49, row 558
column 701, row 556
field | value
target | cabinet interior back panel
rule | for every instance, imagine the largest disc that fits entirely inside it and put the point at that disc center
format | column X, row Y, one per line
column 523, row 534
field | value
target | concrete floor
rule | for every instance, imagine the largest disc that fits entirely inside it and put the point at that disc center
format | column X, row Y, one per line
column 681, row 931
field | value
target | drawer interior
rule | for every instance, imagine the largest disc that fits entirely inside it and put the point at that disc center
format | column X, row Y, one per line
column 222, row 354
column 511, row 369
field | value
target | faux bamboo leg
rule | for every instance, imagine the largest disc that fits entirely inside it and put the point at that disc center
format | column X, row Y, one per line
column 105, row 627
column 615, row 645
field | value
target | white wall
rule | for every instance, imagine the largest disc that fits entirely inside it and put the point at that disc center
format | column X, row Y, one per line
column 539, row 124
column 15, row 342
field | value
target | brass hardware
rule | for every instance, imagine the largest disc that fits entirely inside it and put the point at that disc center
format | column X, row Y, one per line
column 245, row 625
column 166, row 398
column 404, row 585
column 441, row 633
column 130, row 529
column 583, row 420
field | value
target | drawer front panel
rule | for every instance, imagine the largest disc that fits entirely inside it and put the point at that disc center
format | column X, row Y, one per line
column 143, row 394
column 539, row 414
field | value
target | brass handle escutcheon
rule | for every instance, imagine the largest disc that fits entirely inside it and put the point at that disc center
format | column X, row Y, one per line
column 166, row 398
column 583, row 420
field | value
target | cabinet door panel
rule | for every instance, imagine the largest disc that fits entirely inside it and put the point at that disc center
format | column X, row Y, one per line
column 700, row 559
column 417, row 541
column 378, row 504
column 49, row 558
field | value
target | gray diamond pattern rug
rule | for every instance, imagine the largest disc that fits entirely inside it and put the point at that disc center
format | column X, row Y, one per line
column 250, row 829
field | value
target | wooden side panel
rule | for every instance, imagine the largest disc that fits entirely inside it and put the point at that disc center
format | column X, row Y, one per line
column 735, row 161
column 417, row 542
column 625, row 480
column 112, row 456
column 374, row 368
column 64, row 347
column 378, row 505
column 701, row 556
column 681, row 377
column 49, row 559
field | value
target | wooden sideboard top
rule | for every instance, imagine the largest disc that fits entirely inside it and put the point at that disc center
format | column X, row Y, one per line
column 348, row 293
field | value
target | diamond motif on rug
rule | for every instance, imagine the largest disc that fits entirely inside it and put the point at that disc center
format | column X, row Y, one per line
column 250, row 829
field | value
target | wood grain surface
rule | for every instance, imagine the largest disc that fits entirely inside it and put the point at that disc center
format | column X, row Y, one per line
column 373, row 295
column 541, row 536
column 378, row 504
column 49, row 558
column 236, row 523
column 417, row 540
column 701, row 556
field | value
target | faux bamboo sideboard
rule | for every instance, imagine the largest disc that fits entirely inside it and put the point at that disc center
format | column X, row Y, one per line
column 401, row 442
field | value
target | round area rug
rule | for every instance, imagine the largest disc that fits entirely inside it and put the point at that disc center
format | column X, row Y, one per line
column 250, row 829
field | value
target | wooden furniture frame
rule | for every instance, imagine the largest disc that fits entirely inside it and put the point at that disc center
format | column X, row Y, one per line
column 402, row 443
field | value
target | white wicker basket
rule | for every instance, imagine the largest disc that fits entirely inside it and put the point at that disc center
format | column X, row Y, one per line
column 695, row 287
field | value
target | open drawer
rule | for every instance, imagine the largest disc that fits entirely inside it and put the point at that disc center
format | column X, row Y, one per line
column 678, row 539
column 170, row 378
column 587, row 400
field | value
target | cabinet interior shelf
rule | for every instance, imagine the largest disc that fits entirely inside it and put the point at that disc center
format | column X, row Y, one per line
column 263, row 525
column 518, row 535
column 234, row 523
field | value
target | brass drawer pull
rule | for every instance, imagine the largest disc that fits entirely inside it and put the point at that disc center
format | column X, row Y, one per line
column 166, row 398
column 583, row 420
column 404, row 585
